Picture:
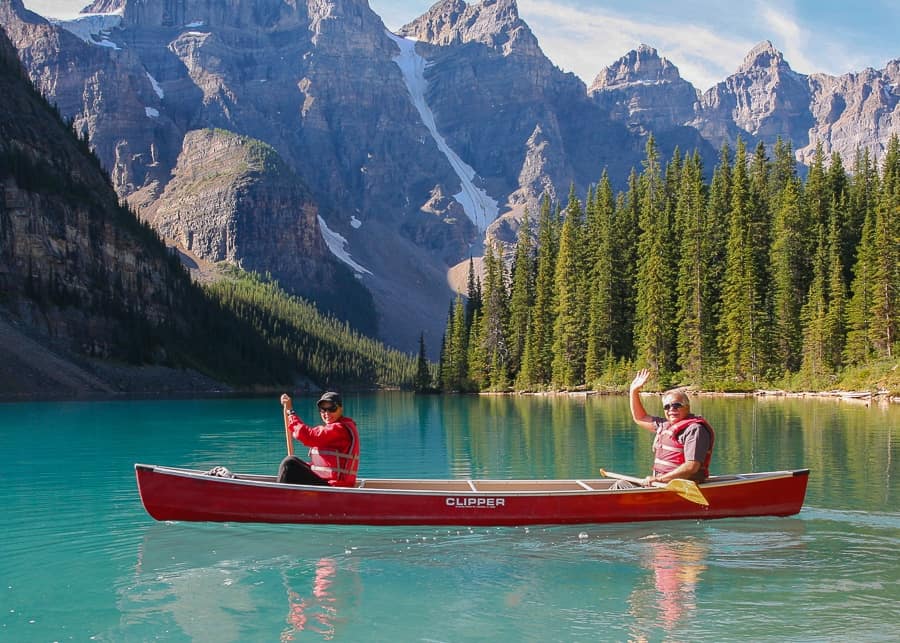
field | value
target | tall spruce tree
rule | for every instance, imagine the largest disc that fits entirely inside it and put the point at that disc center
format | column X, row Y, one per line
column 718, row 207
column 444, row 362
column 626, row 230
column 760, row 275
column 859, row 347
column 602, row 282
column 494, row 321
column 570, row 327
column 654, row 320
column 814, row 365
column 521, row 296
column 738, row 311
column 818, row 200
column 789, row 277
column 694, row 308
column 454, row 360
column 477, row 375
column 886, row 256
column 536, row 367
column 835, row 315
column 423, row 372
column 473, row 293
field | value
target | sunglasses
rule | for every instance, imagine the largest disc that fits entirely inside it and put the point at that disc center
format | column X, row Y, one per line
column 673, row 406
column 327, row 409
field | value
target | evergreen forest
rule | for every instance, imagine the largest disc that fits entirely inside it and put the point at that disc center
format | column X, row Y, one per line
column 323, row 348
column 758, row 277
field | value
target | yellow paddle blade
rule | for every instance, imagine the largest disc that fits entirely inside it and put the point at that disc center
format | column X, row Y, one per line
column 688, row 490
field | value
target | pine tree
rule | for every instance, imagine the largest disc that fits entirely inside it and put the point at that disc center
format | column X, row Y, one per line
column 444, row 370
column 602, row 282
column 760, row 276
column 423, row 373
column 494, row 322
column 521, row 296
column 817, row 198
column 476, row 362
column 654, row 327
column 718, row 208
column 569, row 329
column 539, row 347
column 454, row 358
column 886, row 255
column 737, row 302
column 473, row 293
column 789, row 277
column 784, row 168
column 814, row 365
column 859, row 346
column 694, row 307
column 835, row 316
column 626, row 229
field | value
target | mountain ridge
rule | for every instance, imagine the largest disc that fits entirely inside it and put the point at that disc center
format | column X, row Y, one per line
column 319, row 82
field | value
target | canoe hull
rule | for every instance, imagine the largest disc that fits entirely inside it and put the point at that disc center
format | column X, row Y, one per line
column 186, row 495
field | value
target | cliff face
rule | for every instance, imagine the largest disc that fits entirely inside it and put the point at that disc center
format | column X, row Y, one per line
column 854, row 111
column 233, row 199
column 77, row 272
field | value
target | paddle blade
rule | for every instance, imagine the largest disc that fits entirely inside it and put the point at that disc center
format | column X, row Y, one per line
column 688, row 490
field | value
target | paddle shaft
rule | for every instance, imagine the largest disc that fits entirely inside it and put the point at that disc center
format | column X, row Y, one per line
column 287, row 433
column 619, row 476
column 687, row 489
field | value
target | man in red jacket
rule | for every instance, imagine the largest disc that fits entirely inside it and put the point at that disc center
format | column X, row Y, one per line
column 333, row 445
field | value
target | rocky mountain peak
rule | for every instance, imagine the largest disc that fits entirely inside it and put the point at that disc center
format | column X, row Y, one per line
column 641, row 65
column 764, row 98
column 645, row 91
column 763, row 56
column 495, row 23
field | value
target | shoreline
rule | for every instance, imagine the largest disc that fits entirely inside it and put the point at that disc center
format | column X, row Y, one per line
column 849, row 396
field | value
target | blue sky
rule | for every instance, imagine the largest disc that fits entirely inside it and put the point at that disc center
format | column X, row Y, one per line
column 707, row 40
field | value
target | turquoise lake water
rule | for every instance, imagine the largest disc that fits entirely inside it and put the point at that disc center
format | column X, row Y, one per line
column 80, row 560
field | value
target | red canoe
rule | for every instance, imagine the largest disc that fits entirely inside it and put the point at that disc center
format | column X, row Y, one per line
column 183, row 494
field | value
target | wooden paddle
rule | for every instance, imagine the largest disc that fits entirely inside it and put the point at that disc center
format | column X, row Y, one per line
column 287, row 432
column 687, row 489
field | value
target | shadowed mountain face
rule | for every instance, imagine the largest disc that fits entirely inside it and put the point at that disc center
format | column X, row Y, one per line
column 91, row 300
column 398, row 156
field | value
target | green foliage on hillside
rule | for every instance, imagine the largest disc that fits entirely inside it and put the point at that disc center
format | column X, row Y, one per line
column 757, row 279
column 320, row 347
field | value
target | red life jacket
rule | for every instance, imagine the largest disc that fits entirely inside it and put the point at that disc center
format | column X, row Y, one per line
column 338, row 467
column 669, row 452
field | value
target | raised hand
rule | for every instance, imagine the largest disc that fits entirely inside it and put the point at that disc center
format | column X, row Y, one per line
column 640, row 379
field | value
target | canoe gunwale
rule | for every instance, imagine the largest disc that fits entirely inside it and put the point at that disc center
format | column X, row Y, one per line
column 467, row 486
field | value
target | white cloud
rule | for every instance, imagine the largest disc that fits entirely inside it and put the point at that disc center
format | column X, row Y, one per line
column 585, row 41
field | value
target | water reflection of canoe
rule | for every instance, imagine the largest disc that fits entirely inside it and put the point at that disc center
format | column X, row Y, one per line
column 184, row 494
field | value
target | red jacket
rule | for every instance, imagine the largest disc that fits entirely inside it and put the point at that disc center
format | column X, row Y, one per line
column 670, row 452
column 333, row 449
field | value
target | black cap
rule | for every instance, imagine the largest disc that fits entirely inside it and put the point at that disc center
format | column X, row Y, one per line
column 332, row 397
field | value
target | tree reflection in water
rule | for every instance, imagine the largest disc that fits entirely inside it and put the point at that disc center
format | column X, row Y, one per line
column 668, row 595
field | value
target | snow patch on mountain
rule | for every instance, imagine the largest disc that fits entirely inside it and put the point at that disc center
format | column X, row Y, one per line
column 93, row 28
column 478, row 205
column 338, row 246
